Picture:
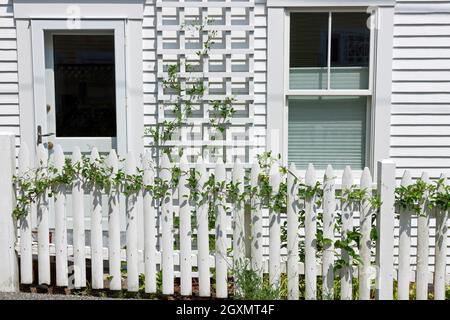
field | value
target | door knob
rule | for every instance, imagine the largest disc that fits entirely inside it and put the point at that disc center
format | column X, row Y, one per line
column 40, row 135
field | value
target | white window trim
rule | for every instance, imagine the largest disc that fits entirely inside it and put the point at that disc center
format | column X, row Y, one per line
column 127, row 13
column 381, row 79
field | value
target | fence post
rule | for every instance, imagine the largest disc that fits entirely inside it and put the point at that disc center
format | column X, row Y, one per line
column 385, row 228
column 9, row 270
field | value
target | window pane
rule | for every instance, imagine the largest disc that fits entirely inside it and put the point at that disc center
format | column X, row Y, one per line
column 308, row 50
column 85, row 94
column 350, row 51
column 327, row 130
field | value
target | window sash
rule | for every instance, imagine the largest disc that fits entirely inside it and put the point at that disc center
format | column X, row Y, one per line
column 329, row 90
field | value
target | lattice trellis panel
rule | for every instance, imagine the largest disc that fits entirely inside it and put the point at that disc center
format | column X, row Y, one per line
column 228, row 71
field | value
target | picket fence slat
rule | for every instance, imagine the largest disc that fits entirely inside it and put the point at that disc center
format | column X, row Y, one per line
column 96, row 229
column 167, row 226
column 114, row 227
column 404, row 250
column 62, row 279
column 229, row 247
column 292, row 233
column 310, row 237
column 149, row 226
column 257, row 224
column 440, row 247
column 79, row 241
column 329, row 208
column 221, row 247
column 185, row 230
column 423, row 225
column 274, row 231
column 26, row 255
column 132, row 230
column 202, row 235
column 365, row 242
column 43, row 223
column 347, row 226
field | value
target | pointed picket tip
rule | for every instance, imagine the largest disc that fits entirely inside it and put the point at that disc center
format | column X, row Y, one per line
column 329, row 172
column 94, row 154
column 238, row 170
column 254, row 173
column 347, row 177
column 113, row 161
column 220, row 170
column 366, row 179
column 184, row 165
column 310, row 176
column 165, row 161
column 24, row 158
column 406, row 179
column 76, row 155
column 131, row 163
column 59, row 157
column 42, row 155
column 443, row 178
column 275, row 177
column 425, row 177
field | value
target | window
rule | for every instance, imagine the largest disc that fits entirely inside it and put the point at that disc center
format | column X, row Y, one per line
column 329, row 89
column 85, row 85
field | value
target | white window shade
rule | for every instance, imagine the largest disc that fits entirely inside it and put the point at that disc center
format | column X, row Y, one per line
column 327, row 130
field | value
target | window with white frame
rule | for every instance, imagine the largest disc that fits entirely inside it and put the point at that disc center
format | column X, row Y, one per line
column 329, row 88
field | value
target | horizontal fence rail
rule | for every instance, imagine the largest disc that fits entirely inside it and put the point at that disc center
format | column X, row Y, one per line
column 126, row 224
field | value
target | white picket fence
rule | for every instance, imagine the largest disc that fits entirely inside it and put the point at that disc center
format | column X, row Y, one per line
column 158, row 251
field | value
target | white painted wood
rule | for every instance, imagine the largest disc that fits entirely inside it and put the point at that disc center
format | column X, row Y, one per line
column 42, row 222
column 256, row 223
column 26, row 256
column 185, row 229
column 221, row 246
column 239, row 236
column 150, row 215
column 9, row 269
column 202, row 235
column 60, row 223
column 440, row 249
column 404, row 250
column 96, row 229
column 385, row 228
column 347, row 226
column 292, row 233
column 79, row 240
column 310, row 238
column 274, row 230
column 166, row 229
column 329, row 208
column 132, row 231
column 423, row 246
column 366, row 212
column 114, row 227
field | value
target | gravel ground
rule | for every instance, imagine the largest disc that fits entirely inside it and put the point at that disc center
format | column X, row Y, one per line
column 43, row 296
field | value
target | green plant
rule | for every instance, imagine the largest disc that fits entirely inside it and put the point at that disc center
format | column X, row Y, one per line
column 251, row 286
